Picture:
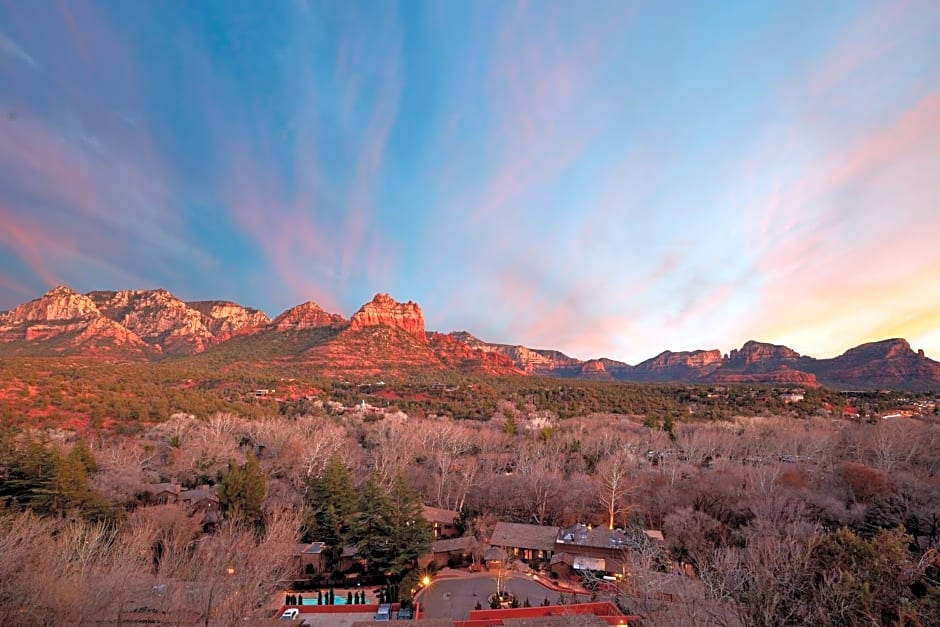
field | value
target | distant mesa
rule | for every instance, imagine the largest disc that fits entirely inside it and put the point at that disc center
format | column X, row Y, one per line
column 386, row 335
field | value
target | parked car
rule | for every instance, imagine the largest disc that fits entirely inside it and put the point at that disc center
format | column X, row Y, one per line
column 405, row 611
column 384, row 613
column 290, row 614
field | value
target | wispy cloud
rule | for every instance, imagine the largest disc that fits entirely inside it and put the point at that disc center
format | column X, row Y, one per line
column 13, row 49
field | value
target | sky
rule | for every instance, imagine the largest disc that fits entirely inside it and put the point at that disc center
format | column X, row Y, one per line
column 605, row 178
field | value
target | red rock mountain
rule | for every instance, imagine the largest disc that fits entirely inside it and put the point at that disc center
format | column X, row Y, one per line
column 767, row 356
column 305, row 316
column 384, row 311
column 759, row 362
column 779, row 376
column 681, row 366
column 881, row 364
column 386, row 335
column 63, row 322
column 158, row 318
column 225, row 319
column 457, row 354
column 531, row 361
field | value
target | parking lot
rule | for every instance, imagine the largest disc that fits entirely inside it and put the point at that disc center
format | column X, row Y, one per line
column 455, row 598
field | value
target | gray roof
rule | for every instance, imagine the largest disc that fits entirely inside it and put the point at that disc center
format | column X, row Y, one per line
column 520, row 536
column 452, row 545
column 604, row 538
column 202, row 493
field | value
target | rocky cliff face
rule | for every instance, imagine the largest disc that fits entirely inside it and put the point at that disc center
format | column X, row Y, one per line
column 759, row 353
column 308, row 315
column 888, row 363
column 596, row 370
column 67, row 323
column 386, row 335
column 529, row 360
column 759, row 362
column 384, row 311
column 781, row 376
column 678, row 366
column 158, row 317
column 59, row 303
column 455, row 353
column 225, row 319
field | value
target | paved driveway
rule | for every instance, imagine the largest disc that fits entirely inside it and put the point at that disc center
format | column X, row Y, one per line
column 455, row 598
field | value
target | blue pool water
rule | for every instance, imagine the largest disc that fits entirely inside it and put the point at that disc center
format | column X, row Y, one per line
column 339, row 600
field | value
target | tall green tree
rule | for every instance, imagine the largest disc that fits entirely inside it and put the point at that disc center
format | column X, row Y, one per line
column 372, row 532
column 411, row 533
column 242, row 492
column 330, row 503
column 390, row 530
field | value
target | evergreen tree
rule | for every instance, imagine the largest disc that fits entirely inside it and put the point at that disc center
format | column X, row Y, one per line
column 390, row 531
column 372, row 531
column 82, row 453
column 411, row 534
column 242, row 491
column 329, row 506
column 349, row 600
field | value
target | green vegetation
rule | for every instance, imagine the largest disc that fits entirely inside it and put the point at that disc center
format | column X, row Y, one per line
column 40, row 477
column 241, row 492
column 389, row 528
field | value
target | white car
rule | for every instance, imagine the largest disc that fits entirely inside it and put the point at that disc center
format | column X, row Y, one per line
column 290, row 614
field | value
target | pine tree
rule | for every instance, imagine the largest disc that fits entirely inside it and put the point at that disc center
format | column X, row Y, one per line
column 411, row 533
column 242, row 491
column 390, row 530
column 82, row 453
column 329, row 506
column 372, row 531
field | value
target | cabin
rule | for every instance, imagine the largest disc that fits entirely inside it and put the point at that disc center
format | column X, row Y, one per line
column 443, row 522
column 528, row 543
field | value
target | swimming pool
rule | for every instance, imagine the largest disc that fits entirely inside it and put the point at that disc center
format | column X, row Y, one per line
column 339, row 599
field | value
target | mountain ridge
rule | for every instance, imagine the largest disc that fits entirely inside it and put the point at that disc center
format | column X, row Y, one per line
column 385, row 334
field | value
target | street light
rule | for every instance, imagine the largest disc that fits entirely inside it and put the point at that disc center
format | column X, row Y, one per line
column 426, row 580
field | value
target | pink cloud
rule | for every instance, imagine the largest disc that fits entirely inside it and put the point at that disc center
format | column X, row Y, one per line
column 369, row 161
column 863, row 267
column 535, row 85
column 29, row 243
